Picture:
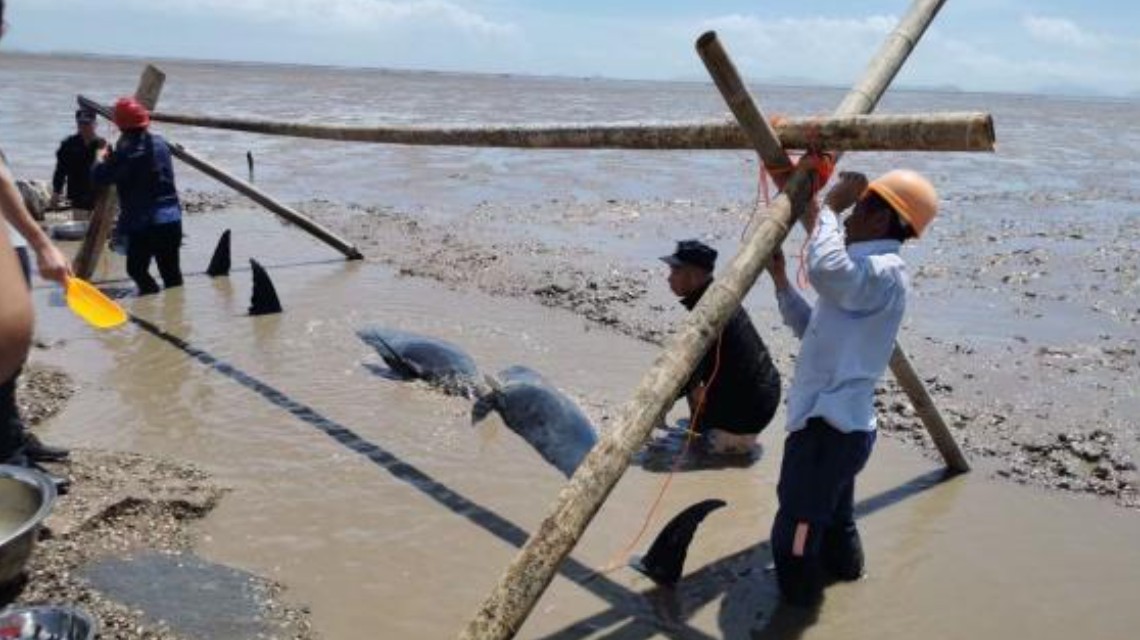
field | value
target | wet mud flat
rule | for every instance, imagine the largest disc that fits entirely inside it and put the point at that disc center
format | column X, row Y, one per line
column 379, row 506
column 127, row 511
column 1027, row 333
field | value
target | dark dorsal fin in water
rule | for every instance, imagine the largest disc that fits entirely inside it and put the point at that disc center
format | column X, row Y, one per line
column 220, row 263
column 264, row 300
column 665, row 560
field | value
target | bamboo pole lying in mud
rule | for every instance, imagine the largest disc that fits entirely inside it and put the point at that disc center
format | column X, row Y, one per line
column 776, row 159
column 265, row 200
column 106, row 206
column 510, row 602
column 257, row 195
column 950, row 131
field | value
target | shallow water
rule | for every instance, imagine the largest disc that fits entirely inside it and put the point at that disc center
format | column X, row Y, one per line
column 1072, row 146
column 398, row 524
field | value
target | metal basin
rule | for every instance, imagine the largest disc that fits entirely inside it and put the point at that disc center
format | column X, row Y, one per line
column 26, row 498
column 46, row 623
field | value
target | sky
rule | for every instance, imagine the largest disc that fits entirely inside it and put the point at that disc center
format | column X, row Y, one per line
column 1051, row 46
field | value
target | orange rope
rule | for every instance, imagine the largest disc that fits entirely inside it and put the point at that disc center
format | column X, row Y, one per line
column 617, row 561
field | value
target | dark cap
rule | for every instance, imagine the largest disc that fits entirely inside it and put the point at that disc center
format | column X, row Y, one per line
column 84, row 116
column 692, row 252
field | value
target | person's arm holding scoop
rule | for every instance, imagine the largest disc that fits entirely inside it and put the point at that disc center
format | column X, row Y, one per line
column 53, row 265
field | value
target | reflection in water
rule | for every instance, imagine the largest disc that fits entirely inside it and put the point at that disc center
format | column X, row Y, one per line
column 162, row 404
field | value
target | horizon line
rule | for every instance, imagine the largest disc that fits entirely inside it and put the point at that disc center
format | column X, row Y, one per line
column 802, row 83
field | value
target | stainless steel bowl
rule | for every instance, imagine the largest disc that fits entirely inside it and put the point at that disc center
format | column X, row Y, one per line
column 26, row 498
column 46, row 623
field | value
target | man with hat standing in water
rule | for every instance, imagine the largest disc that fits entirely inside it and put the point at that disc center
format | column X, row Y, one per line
column 847, row 341
column 735, row 390
column 73, row 163
column 150, row 218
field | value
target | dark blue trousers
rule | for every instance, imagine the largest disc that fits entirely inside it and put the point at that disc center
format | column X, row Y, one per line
column 814, row 536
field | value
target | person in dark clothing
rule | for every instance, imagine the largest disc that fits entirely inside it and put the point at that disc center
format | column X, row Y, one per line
column 73, row 163
column 150, row 214
column 736, row 381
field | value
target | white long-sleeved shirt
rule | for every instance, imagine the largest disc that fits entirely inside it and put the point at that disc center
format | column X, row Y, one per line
column 13, row 235
column 848, row 338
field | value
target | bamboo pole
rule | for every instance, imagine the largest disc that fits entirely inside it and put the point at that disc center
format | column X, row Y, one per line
column 510, row 602
column 749, row 120
column 765, row 140
column 919, row 132
column 106, row 206
column 257, row 195
column 927, row 411
column 776, row 159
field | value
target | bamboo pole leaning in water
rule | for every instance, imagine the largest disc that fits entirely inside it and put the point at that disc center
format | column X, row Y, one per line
column 506, row 608
column 950, row 131
column 776, row 159
column 257, row 195
column 106, row 206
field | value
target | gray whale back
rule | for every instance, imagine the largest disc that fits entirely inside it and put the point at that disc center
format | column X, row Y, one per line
column 542, row 415
column 435, row 361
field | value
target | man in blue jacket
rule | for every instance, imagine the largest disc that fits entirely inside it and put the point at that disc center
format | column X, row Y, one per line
column 150, row 214
column 847, row 341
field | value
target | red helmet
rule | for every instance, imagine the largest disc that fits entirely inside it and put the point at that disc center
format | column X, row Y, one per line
column 131, row 114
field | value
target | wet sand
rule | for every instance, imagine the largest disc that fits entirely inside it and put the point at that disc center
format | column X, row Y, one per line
column 121, row 505
column 379, row 506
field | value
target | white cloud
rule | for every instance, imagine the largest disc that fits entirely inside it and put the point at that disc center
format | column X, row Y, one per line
column 1065, row 32
column 354, row 15
column 782, row 29
column 820, row 48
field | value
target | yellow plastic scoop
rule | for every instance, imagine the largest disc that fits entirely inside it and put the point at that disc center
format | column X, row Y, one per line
column 89, row 303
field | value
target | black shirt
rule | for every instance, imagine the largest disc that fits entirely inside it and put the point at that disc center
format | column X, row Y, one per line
column 745, row 393
column 73, row 165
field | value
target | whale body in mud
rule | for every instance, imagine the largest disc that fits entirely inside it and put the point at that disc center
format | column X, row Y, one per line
column 539, row 413
column 416, row 357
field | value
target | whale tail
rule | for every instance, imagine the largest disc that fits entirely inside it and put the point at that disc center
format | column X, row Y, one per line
column 391, row 357
column 665, row 560
column 487, row 398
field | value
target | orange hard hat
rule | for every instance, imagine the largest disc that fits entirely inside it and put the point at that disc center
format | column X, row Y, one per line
column 131, row 114
column 910, row 195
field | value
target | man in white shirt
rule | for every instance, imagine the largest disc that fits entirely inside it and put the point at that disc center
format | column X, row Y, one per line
column 847, row 341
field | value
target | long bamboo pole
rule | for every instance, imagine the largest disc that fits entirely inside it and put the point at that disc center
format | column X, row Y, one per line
column 776, row 159
column 507, row 606
column 106, row 206
column 257, row 195
column 951, row 131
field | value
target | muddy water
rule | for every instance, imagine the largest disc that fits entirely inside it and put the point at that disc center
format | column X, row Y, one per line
column 404, row 540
